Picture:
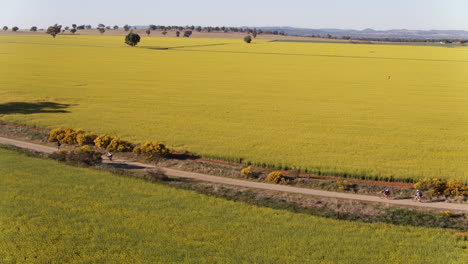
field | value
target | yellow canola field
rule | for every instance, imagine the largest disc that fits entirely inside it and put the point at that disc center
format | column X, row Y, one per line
column 362, row 110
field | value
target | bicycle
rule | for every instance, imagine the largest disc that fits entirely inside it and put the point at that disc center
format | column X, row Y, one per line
column 384, row 194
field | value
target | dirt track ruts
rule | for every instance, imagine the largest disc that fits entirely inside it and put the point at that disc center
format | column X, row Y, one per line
column 257, row 185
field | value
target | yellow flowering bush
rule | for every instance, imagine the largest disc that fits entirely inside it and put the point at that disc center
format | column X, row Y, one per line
column 276, row 177
column 152, row 149
column 119, row 145
column 103, row 141
column 248, row 172
column 455, row 188
column 86, row 138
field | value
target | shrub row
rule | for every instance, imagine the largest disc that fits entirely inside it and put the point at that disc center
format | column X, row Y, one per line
column 436, row 187
column 81, row 155
column 80, row 137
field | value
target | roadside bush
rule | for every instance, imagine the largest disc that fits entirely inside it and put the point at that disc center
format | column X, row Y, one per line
column 59, row 155
column 83, row 155
column 248, row 172
column 103, row 141
column 446, row 213
column 118, row 145
column 455, row 188
column 342, row 185
column 434, row 186
column 276, row 177
column 67, row 135
column 56, row 135
column 151, row 150
column 70, row 136
column 86, row 139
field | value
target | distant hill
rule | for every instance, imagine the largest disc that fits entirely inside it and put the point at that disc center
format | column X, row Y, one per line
column 371, row 33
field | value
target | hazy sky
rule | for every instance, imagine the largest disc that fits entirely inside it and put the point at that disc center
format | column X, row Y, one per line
column 344, row 14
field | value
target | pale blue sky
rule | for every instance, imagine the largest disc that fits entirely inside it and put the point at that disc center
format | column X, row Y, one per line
column 357, row 14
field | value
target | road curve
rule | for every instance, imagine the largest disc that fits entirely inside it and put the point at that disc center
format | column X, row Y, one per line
column 257, row 185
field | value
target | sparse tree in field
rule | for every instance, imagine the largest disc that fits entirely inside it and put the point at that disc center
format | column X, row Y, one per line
column 73, row 30
column 248, row 39
column 54, row 30
column 67, row 28
column 5, row 28
column 198, row 29
column 177, row 33
column 33, row 29
column 116, row 27
column 132, row 39
column 153, row 27
column 101, row 28
column 126, row 27
column 164, row 33
column 108, row 27
column 148, row 32
column 88, row 27
column 81, row 27
column 187, row 34
column 73, row 25
column 14, row 29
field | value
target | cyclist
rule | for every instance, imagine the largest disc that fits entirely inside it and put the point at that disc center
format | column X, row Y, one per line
column 58, row 144
column 385, row 192
column 418, row 195
column 109, row 155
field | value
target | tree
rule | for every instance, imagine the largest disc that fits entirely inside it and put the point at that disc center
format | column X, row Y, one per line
column 164, row 33
column 116, row 27
column 126, row 27
column 102, row 30
column 187, row 34
column 88, row 27
column 101, row 26
column 153, row 27
column 132, row 39
column 54, row 30
column 33, row 29
column 81, row 27
column 248, row 39
column 5, row 28
column 14, row 29
column 67, row 28
column 73, row 25
column 177, row 33
column 148, row 32
column 108, row 27
column 73, row 30
column 254, row 33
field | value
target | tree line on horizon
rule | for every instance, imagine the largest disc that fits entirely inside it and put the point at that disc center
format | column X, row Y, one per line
column 102, row 28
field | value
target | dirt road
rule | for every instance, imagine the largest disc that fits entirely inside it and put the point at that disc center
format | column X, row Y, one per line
column 257, row 185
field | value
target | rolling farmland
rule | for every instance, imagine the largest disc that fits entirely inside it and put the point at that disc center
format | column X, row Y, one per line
column 53, row 212
column 372, row 110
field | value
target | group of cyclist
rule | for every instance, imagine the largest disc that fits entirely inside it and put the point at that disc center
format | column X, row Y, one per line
column 385, row 193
